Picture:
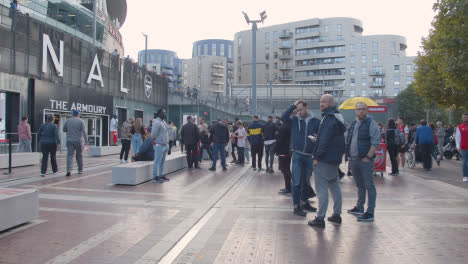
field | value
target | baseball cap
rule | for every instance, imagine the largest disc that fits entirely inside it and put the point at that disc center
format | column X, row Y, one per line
column 75, row 112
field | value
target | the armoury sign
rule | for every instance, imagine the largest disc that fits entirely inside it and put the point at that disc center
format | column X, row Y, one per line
column 85, row 108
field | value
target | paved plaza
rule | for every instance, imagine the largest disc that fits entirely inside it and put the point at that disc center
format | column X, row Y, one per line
column 233, row 217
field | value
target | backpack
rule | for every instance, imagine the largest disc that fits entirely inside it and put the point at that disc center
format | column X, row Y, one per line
column 399, row 137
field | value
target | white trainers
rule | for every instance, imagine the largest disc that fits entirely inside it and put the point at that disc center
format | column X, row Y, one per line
column 465, row 179
column 401, row 169
column 121, row 161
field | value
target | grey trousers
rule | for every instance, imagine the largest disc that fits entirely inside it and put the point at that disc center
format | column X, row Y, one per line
column 71, row 148
column 363, row 174
column 326, row 177
column 24, row 145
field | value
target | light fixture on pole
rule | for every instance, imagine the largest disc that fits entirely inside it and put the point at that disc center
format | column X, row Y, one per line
column 146, row 49
column 263, row 16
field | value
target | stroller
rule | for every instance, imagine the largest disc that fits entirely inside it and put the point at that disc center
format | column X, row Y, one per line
column 414, row 156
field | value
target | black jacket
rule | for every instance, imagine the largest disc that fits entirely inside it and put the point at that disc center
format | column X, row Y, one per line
column 219, row 133
column 189, row 134
column 330, row 145
column 269, row 131
column 284, row 140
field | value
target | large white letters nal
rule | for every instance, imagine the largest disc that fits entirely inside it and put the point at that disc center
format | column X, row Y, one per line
column 47, row 46
column 98, row 76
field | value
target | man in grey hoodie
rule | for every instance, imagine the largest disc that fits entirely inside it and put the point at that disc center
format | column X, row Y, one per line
column 160, row 145
column 75, row 129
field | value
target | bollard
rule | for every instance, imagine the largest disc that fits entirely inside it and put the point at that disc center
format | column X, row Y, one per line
column 9, row 153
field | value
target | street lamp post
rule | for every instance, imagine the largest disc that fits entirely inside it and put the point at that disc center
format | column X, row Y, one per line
column 263, row 16
column 146, row 49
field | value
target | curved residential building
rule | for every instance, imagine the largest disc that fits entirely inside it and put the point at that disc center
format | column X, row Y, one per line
column 210, row 67
column 330, row 54
column 164, row 62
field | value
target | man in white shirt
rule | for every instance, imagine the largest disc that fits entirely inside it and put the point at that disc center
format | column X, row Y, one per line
column 113, row 130
column 241, row 136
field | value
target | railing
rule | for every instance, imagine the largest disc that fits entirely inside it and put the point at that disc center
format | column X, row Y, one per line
column 376, row 73
column 285, row 57
column 286, row 35
column 377, row 84
column 15, row 142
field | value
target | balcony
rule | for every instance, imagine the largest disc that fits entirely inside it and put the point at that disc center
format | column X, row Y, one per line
column 285, row 57
column 217, row 66
column 285, row 78
column 215, row 82
column 285, row 35
column 217, row 74
column 281, row 46
column 377, row 84
column 285, row 67
column 376, row 73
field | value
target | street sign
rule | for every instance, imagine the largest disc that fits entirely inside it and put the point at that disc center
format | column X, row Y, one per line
column 389, row 101
column 377, row 109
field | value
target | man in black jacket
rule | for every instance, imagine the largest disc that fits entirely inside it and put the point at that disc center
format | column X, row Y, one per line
column 219, row 136
column 255, row 137
column 270, row 131
column 190, row 137
column 234, row 143
column 284, row 156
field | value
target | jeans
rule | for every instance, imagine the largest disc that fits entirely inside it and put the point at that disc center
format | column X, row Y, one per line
column 246, row 154
column 464, row 153
column 125, row 148
column 219, row 148
column 326, row 177
column 270, row 155
column 240, row 155
column 363, row 173
column 71, row 148
column 285, row 168
column 257, row 150
column 192, row 155
column 393, row 152
column 160, row 153
column 48, row 148
column 24, row 145
column 137, row 141
column 302, row 167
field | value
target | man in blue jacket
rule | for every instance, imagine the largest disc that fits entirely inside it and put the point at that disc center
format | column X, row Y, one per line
column 303, row 126
column 255, row 137
column 425, row 141
column 328, row 154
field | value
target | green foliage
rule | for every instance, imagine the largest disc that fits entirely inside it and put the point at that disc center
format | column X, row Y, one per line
column 410, row 105
column 442, row 67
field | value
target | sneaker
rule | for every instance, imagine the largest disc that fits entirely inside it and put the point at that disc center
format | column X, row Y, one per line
column 80, row 172
column 284, row 191
column 401, row 169
column 42, row 174
column 465, row 179
column 126, row 161
column 366, row 217
column 157, row 180
column 335, row 219
column 298, row 211
column 212, row 169
column 272, row 171
column 438, row 163
column 254, row 169
column 308, row 207
column 163, row 178
column 68, row 174
column 197, row 167
column 317, row 223
column 224, row 169
column 355, row 211
column 234, row 161
column 260, row 169
column 394, row 174
column 427, row 169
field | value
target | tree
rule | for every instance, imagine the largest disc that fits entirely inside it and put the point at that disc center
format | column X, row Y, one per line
column 411, row 106
column 442, row 66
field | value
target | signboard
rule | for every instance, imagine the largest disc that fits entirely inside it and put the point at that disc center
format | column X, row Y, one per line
column 388, row 101
column 377, row 109
column 148, row 86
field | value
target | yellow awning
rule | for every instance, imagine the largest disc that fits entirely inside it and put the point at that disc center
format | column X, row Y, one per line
column 351, row 102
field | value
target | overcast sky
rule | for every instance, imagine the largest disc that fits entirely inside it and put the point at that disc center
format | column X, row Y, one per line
column 175, row 25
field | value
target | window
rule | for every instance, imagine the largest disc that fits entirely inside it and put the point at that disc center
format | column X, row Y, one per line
column 185, row 65
column 205, row 49
column 393, row 45
column 352, row 93
column 325, row 28
column 363, row 71
column 213, row 49
column 395, row 56
column 339, row 27
column 275, row 65
column 352, row 81
column 275, row 44
column 267, row 36
column 307, row 29
column 396, row 80
column 352, row 47
column 267, row 66
column 409, row 79
column 267, row 56
column 267, row 45
column 239, row 41
column 351, row 59
column 363, row 81
column 397, row 91
column 375, row 58
column 396, row 68
column 363, row 92
column 339, row 37
column 324, row 38
column 377, row 70
column 275, row 34
column 230, row 51
column 375, row 45
column 275, row 55
column 198, row 50
column 286, row 43
column 363, row 59
column 352, row 70
column 408, row 68
column 363, row 47
column 221, row 49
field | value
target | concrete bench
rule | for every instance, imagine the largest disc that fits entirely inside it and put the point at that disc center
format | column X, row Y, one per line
column 142, row 171
column 17, row 206
column 104, row 151
column 20, row 159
